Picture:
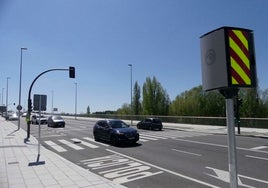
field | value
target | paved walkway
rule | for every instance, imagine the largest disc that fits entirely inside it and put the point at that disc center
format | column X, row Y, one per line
column 19, row 167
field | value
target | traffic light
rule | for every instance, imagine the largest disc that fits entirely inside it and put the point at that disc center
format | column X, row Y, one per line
column 71, row 72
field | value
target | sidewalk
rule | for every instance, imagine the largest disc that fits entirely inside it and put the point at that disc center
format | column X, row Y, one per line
column 56, row 172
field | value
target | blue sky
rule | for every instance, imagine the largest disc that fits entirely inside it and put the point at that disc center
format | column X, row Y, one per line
column 101, row 37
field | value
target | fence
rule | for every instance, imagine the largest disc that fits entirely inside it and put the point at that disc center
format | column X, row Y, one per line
column 219, row 121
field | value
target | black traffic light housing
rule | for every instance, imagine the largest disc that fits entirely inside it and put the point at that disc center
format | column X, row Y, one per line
column 71, row 72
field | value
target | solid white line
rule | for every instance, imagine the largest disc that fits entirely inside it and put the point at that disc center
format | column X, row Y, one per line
column 55, row 146
column 147, row 138
column 92, row 140
column 143, row 140
column 166, row 170
column 70, row 144
column 260, row 147
column 187, row 152
column 219, row 145
column 262, row 158
column 153, row 136
column 85, row 143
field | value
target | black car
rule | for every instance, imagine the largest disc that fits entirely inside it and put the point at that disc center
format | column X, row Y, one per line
column 150, row 123
column 55, row 121
column 115, row 131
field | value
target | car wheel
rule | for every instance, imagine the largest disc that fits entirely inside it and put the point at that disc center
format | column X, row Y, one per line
column 138, row 126
column 96, row 137
column 113, row 140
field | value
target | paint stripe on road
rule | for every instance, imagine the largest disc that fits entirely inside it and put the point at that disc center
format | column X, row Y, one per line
column 85, row 143
column 70, row 144
column 55, row 146
column 255, row 157
column 166, row 170
column 186, row 152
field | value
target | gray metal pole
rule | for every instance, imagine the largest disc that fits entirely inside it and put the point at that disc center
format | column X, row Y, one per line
column 231, row 142
column 75, row 100
column 52, row 105
column 7, row 97
column 131, row 106
column 19, row 109
column 3, row 96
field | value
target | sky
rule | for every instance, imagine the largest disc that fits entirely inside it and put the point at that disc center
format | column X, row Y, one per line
column 100, row 38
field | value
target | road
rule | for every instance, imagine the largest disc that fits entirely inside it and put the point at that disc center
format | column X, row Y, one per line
column 167, row 158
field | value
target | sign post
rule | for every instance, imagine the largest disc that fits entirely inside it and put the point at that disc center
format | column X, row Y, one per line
column 40, row 102
column 228, row 63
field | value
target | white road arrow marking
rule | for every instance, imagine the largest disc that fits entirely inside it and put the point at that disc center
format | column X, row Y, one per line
column 224, row 176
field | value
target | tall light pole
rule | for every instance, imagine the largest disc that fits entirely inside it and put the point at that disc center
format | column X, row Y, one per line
column 3, row 96
column 7, row 96
column 75, row 101
column 19, row 106
column 131, row 106
column 52, row 101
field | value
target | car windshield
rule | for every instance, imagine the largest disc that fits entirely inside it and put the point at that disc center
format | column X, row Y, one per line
column 57, row 117
column 118, row 124
column 156, row 120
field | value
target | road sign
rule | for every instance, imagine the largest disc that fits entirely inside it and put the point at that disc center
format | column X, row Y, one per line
column 19, row 107
column 228, row 58
column 40, row 102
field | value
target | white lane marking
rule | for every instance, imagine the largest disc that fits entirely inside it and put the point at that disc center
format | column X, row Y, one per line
column 153, row 136
column 166, row 170
column 259, row 147
column 92, row 140
column 187, row 152
column 143, row 140
column 70, row 144
column 55, row 146
column 85, row 143
column 224, row 176
column 255, row 157
column 147, row 138
column 218, row 145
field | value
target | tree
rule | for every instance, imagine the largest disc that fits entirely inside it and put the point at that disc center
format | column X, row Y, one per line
column 252, row 106
column 136, row 99
column 125, row 109
column 155, row 99
column 196, row 102
column 88, row 110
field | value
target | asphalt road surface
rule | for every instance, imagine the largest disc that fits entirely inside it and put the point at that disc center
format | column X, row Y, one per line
column 167, row 158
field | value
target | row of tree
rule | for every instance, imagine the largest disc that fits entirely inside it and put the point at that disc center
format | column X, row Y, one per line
column 195, row 102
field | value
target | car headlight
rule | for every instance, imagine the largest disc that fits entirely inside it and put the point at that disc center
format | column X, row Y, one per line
column 119, row 133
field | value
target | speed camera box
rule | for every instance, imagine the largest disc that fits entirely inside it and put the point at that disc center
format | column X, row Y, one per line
column 228, row 58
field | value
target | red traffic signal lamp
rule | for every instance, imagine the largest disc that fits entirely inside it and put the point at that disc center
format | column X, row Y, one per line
column 71, row 72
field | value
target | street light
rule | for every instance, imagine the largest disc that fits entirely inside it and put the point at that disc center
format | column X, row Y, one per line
column 75, row 100
column 7, row 96
column 3, row 96
column 19, row 106
column 131, row 107
column 52, row 107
